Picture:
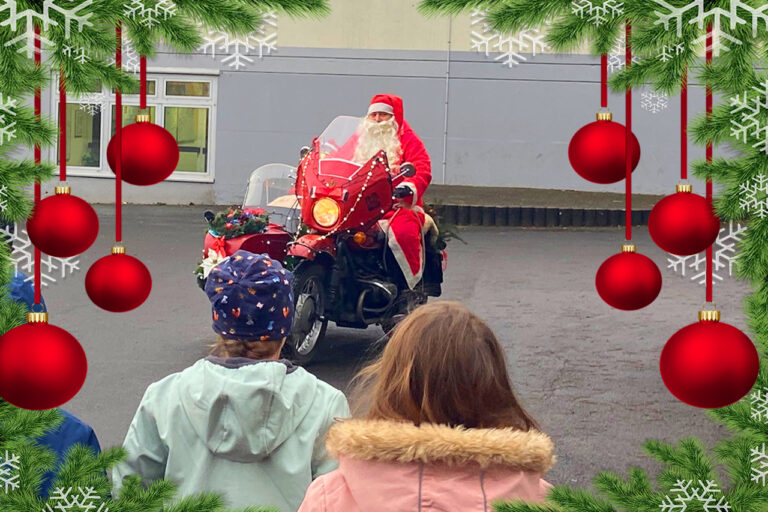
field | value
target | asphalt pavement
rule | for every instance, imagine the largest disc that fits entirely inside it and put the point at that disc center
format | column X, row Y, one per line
column 587, row 372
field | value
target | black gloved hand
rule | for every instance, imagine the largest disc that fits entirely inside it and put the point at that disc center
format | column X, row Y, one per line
column 402, row 191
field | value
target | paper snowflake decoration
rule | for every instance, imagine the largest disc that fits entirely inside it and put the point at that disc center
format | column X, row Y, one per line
column 80, row 55
column 240, row 49
column 25, row 21
column 150, row 15
column 668, row 51
column 753, row 196
column 7, row 106
column 597, row 13
column 617, row 57
column 654, row 102
column 84, row 500
column 758, row 15
column 760, row 405
column 724, row 256
column 509, row 48
column 751, row 109
column 9, row 464
column 131, row 60
column 23, row 256
column 706, row 494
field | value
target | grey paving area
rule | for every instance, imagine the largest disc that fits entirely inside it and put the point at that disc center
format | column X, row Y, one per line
column 587, row 372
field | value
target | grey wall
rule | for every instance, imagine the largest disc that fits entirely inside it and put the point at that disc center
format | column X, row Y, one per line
column 506, row 127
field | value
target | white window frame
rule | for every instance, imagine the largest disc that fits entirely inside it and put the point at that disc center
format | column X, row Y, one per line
column 160, row 101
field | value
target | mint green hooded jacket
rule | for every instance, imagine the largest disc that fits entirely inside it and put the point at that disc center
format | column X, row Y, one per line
column 253, row 431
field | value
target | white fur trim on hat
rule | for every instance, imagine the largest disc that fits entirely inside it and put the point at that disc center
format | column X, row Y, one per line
column 381, row 107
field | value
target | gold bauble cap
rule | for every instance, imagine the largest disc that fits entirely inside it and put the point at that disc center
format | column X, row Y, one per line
column 604, row 116
column 37, row 318
column 118, row 249
column 684, row 188
column 143, row 118
column 709, row 315
column 62, row 190
column 629, row 248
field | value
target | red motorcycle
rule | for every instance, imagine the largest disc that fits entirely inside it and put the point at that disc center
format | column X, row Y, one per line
column 342, row 269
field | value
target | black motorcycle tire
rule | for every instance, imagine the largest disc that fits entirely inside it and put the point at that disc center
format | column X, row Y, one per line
column 307, row 277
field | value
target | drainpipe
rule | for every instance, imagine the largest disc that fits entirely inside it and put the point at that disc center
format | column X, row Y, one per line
column 447, row 83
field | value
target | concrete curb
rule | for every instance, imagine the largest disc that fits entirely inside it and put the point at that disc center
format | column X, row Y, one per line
column 463, row 215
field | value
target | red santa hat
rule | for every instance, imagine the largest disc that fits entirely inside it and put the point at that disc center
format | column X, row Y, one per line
column 390, row 104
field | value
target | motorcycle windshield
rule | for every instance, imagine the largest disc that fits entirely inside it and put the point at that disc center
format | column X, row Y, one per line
column 271, row 188
column 336, row 145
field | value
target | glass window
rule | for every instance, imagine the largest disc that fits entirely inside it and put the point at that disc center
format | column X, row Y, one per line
column 129, row 115
column 151, row 87
column 177, row 88
column 189, row 125
column 83, row 137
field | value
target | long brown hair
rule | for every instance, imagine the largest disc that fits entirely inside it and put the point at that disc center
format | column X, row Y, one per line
column 251, row 349
column 443, row 365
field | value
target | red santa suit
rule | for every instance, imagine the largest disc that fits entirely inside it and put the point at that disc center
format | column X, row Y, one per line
column 404, row 224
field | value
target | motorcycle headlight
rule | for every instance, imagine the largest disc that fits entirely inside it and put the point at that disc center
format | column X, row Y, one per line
column 326, row 212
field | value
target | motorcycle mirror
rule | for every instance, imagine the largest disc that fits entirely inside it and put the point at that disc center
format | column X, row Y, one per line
column 408, row 170
column 304, row 151
column 208, row 215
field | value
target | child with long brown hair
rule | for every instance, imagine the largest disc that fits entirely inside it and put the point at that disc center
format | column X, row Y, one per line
column 443, row 428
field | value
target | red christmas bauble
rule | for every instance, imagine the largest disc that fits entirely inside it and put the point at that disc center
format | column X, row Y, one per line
column 118, row 283
column 709, row 364
column 628, row 281
column 596, row 152
column 63, row 225
column 683, row 223
column 150, row 154
column 41, row 366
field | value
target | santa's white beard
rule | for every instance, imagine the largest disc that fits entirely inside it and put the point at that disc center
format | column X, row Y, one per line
column 377, row 136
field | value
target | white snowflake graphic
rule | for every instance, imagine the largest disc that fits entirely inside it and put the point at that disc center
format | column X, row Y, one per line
column 23, row 255
column 131, row 60
column 150, row 16
column 8, row 465
column 93, row 102
column 724, row 256
column 509, row 48
column 715, row 16
column 80, row 54
column 754, row 195
column 760, row 405
column 654, row 102
column 62, row 500
column 686, row 492
column 263, row 39
column 598, row 13
column 3, row 198
column 617, row 57
column 751, row 108
column 667, row 51
column 760, row 470
column 7, row 130
column 26, row 20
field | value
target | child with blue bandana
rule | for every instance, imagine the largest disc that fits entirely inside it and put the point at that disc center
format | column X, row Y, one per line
column 242, row 421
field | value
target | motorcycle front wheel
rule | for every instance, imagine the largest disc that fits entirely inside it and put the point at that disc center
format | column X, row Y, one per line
column 309, row 322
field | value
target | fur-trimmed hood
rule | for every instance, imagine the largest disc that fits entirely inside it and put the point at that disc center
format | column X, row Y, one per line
column 391, row 441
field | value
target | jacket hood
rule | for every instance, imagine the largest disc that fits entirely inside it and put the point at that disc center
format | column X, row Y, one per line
column 245, row 410
column 391, row 441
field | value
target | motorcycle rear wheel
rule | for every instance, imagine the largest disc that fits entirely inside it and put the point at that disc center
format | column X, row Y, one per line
column 309, row 323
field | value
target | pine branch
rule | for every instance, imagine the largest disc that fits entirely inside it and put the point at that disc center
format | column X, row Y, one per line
column 452, row 7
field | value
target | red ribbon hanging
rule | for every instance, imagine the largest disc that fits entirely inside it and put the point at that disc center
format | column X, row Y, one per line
column 604, row 81
column 709, row 160
column 62, row 126
column 628, row 140
column 684, row 127
column 38, row 159
column 119, row 139
column 143, row 90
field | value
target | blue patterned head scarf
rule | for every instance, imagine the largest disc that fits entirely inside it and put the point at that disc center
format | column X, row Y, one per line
column 251, row 298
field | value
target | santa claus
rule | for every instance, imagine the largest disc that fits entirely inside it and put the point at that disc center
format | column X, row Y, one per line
column 385, row 128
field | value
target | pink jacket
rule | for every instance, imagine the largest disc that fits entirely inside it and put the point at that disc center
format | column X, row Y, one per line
column 393, row 466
